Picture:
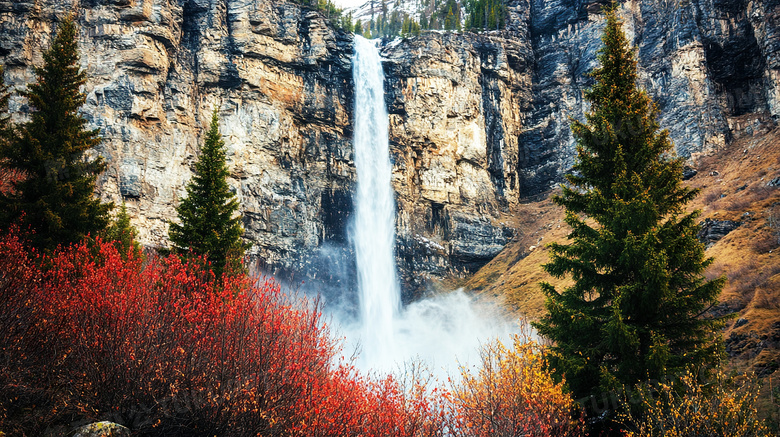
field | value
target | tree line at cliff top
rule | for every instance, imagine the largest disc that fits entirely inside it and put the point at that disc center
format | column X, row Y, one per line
column 410, row 17
column 189, row 344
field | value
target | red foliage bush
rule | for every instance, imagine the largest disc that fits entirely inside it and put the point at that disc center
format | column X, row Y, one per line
column 164, row 348
column 8, row 177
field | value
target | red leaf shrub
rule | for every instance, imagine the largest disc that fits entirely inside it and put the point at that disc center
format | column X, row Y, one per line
column 164, row 348
column 8, row 177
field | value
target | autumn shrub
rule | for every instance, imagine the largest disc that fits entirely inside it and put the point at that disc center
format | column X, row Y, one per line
column 9, row 176
column 348, row 404
column 511, row 394
column 688, row 408
column 165, row 348
column 25, row 352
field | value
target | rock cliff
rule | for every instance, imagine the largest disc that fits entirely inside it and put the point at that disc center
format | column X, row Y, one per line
column 455, row 104
column 478, row 122
column 278, row 73
column 710, row 65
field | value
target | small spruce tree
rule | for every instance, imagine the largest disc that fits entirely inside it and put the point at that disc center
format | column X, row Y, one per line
column 635, row 310
column 7, row 175
column 55, row 197
column 209, row 224
column 123, row 234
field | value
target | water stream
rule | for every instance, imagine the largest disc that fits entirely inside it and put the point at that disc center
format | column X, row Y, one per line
column 374, row 227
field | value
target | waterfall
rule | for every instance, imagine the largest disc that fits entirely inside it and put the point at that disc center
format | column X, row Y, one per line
column 442, row 331
column 374, row 225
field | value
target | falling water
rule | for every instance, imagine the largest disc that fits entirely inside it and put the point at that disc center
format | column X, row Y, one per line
column 442, row 331
column 374, row 227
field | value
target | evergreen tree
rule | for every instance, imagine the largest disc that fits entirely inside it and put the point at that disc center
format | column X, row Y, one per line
column 635, row 309
column 485, row 14
column 449, row 20
column 346, row 22
column 415, row 28
column 7, row 175
column 5, row 119
column 209, row 223
column 123, row 233
column 55, row 198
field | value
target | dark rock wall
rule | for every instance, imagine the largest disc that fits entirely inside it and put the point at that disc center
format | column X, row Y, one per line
column 710, row 65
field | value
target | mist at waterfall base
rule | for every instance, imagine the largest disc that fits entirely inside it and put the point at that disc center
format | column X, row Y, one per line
column 440, row 332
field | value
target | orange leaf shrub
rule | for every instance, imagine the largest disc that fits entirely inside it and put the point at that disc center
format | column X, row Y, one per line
column 511, row 394
column 164, row 348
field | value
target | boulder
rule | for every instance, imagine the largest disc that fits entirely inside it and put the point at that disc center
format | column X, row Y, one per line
column 713, row 230
column 102, row 429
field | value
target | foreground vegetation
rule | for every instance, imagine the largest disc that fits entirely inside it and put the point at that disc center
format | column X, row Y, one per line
column 164, row 347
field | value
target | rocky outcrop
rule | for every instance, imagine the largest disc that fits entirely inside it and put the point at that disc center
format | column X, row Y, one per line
column 757, row 346
column 478, row 122
column 713, row 230
column 102, row 429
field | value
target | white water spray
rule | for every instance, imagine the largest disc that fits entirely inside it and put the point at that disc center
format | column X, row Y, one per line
column 442, row 331
column 374, row 231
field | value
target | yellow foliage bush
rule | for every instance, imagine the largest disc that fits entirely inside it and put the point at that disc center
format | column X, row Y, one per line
column 686, row 408
column 511, row 394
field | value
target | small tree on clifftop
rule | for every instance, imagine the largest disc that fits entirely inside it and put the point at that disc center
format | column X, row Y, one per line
column 209, row 223
column 635, row 309
column 55, row 196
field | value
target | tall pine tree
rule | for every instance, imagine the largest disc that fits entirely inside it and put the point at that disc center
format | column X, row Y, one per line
column 210, row 225
column 55, row 197
column 635, row 310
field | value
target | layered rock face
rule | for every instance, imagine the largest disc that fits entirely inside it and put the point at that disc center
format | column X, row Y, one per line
column 477, row 122
column 710, row 65
column 455, row 103
column 278, row 74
